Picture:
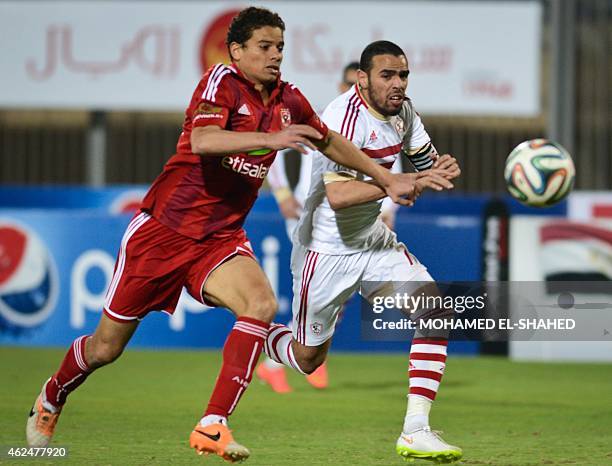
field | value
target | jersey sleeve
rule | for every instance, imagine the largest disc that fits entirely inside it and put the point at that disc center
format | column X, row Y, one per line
column 419, row 136
column 419, row 149
column 349, row 121
column 388, row 205
column 215, row 101
column 305, row 115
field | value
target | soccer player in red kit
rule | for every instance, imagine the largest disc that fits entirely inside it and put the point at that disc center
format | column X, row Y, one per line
column 189, row 230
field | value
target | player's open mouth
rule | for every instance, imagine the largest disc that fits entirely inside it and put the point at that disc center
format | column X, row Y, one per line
column 396, row 99
column 273, row 69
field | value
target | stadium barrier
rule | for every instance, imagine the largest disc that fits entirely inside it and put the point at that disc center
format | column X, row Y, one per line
column 61, row 246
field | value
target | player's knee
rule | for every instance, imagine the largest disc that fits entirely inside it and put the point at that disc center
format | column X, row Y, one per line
column 262, row 308
column 102, row 353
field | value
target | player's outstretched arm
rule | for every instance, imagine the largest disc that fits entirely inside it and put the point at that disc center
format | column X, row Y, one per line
column 213, row 140
column 400, row 188
column 342, row 194
column 342, row 151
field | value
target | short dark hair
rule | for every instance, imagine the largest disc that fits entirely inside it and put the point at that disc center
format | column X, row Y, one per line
column 244, row 23
column 380, row 47
column 352, row 66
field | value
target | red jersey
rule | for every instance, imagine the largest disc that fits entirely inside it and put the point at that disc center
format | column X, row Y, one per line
column 198, row 195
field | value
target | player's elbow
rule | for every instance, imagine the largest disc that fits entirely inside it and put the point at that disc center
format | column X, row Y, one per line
column 337, row 198
column 337, row 204
column 203, row 141
column 200, row 145
column 197, row 147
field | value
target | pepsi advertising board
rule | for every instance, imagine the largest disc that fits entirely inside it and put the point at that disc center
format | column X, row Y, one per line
column 55, row 266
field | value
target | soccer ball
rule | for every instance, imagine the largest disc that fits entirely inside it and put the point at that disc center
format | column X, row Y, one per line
column 539, row 173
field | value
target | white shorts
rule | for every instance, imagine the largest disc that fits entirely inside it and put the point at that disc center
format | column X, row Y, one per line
column 322, row 283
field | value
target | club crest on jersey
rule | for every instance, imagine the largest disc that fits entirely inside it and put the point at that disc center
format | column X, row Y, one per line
column 285, row 115
column 399, row 125
column 373, row 136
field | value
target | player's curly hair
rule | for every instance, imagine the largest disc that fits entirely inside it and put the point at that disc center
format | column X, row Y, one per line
column 244, row 23
column 380, row 47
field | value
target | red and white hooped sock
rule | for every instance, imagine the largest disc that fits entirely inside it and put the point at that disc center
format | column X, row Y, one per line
column 278, row 346
column 427, row 364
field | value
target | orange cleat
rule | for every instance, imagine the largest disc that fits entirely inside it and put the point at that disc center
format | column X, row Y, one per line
column 217, row 439
column 276, row 378
column 319, row 378
column 41, row 424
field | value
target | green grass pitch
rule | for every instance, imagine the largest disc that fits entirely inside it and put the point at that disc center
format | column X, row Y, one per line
column 140, row 410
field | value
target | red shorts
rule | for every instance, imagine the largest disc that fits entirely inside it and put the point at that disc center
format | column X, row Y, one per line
column 155, row 262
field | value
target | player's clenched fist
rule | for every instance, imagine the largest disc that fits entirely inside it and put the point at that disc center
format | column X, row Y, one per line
column 294, row 137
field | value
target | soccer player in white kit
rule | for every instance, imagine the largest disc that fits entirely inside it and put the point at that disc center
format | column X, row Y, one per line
column 341, row 243
column 290, row 204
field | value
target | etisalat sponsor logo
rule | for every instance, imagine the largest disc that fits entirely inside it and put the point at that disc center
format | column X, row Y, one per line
column 239, row 165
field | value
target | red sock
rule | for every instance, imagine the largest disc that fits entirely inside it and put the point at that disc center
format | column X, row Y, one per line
column 70, row 375
column 240, row 354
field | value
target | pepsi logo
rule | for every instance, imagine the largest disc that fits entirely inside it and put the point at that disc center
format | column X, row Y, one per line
column 29, row 282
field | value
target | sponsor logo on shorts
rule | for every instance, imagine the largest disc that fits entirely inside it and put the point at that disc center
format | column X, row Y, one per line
column 242, row 167
column 316, row 328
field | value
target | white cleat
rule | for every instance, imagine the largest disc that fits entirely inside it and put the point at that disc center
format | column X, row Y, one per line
column 41, row 424
column 426, row 444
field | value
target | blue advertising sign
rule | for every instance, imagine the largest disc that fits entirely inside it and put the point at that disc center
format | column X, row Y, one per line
column 55, row 266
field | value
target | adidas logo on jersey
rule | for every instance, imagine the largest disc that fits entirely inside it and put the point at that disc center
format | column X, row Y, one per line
column 244, row 110
column 373, row 136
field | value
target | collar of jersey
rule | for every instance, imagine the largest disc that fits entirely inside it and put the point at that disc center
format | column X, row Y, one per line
column 373, row 112
column 240, row 75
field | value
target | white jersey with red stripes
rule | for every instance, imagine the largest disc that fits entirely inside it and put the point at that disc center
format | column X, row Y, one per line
column 355, row 228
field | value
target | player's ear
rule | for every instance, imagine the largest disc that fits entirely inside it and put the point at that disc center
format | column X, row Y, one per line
column 235, row 51
column 362, row 79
